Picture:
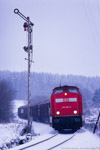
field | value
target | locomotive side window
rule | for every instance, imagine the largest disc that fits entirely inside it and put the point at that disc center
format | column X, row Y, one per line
column 58, row 91
column 73, row 90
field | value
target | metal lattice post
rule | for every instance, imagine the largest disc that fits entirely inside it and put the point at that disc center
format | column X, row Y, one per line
column 29, row 45
column 27, row 27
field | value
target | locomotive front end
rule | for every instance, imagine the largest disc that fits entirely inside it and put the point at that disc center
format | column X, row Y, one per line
column 66, row 108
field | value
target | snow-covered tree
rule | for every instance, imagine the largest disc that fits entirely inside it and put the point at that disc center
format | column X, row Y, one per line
column 96, row 98
column 6, row 95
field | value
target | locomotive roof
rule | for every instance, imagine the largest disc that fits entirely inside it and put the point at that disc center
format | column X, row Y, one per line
column 44, row 102
column 65, row 86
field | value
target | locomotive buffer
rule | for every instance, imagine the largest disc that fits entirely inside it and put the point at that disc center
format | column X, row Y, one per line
column 29, row 49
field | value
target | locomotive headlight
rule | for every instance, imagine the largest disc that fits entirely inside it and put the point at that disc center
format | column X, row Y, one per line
column 65, row 93
column 75, row 111
column 58, row 112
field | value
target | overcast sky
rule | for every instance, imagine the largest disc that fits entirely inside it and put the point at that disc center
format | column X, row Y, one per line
column 66, row 36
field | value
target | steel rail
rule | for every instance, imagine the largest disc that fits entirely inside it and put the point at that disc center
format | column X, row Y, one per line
column 62, row 142
column 38, row 142
column 32, row 145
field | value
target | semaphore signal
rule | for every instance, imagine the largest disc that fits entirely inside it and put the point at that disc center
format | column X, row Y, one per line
column 29, row 49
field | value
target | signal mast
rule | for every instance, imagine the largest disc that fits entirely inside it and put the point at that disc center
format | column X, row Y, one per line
column 29, row 49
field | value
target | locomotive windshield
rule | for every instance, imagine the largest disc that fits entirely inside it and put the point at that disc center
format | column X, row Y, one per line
column 58, row 91
column 72, row 90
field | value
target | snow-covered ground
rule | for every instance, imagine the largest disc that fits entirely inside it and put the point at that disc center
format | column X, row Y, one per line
column 82, row 140
column 11, row 131
column 91, row 119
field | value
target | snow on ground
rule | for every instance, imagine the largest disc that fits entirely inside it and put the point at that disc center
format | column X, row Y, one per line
column 11, row 131
column 82, row 140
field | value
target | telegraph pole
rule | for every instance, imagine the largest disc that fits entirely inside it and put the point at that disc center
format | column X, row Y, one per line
column 29, row 49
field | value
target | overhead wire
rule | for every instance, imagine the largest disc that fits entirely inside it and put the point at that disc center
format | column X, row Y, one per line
column 89, row 21
column 98, row 6
column 92, row 16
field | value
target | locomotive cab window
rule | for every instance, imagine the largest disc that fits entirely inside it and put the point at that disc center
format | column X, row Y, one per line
column 73, row 90
column 58, row 91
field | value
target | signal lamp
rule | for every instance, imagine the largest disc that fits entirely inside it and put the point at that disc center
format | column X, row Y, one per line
column 31, row 47
column 25, row 49
column 25, row 26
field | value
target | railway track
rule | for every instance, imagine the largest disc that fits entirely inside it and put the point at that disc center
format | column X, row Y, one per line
column 61, row 142
column 55, row 140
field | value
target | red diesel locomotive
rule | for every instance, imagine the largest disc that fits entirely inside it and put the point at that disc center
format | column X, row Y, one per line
column 66, row 108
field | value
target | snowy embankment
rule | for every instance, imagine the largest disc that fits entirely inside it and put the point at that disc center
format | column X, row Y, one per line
column 82, row 140
column 11, row 131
